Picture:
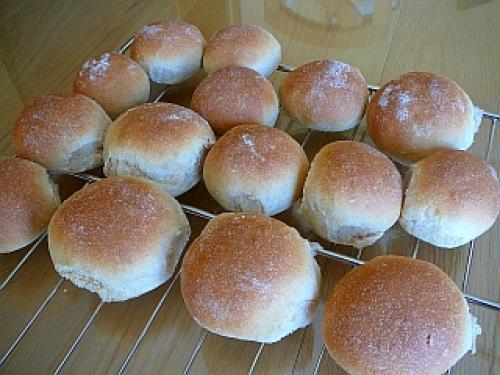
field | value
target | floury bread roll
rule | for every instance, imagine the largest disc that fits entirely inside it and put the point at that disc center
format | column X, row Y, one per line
column 234, row 96
column 352, row 194
column 114, row 81
column 163, row 142
column 119, row 237
column 397, row 316
column 242, row 45
column 169, row 51
column 418, row 114
column 255, row 168
column 452, row 198
column 325, row 95
column 62, row 132
column 28, row 198
column 250, row 277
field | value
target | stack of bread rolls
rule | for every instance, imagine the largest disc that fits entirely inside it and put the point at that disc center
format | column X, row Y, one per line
column 249, row 276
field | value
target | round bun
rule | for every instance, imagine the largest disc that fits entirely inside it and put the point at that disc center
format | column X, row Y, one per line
column 163, row 142
column 452, row 198
column 249, row 46
column 255, row 168
column 28, row 198
column 325, row 95
column 250, row 277
column 62, row 132
column 397, row 316
column 169, row 51
column 119, row 237
column 234, row 96
column 114, row 81
column 420, row 113
column 352, row 194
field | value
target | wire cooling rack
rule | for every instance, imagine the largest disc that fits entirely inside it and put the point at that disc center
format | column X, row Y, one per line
column 358, row 133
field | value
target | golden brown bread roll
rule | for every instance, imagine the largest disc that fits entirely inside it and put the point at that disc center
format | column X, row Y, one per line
column 325, row 95
column 420, row 113
column 114, row 81
column 63, row 132
column 28, row 198
column 352, row 194
column 255, row 168
column 250, row 277
column 397, row 316
column 119, row 237
column 234, row 96
column 249, row 46
column 169, row 51
column 163, row 142
column 452, row 198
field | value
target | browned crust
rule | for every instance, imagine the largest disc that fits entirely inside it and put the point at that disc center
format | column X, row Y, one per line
column 46, row 130
column 158, row 129
column 113, row 223
column 324, row 92
column 395, row 315
column 27, row 201
column 255, row 155
column 459, row 185
column 102, row 79
column 167, row 41
column 358, row 179
column 239, row 263
column 241, row 45
column 418, row 114
column 234, row 96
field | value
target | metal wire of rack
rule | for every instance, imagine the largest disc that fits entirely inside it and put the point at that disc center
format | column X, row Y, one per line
column 493, row 118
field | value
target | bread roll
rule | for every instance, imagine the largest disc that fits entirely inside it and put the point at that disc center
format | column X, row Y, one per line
column 234, row 96
column 242, row 45
column 325, row 95
column 397, row 316
column 250, row 277
column 114, row 81
column 28, row 198
column 163, row 142
column 452, row 198
column 62, row 132
column 255, row 168
column 352, row 194
column 418, row 114
column 169, row 51
column 119, row 237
